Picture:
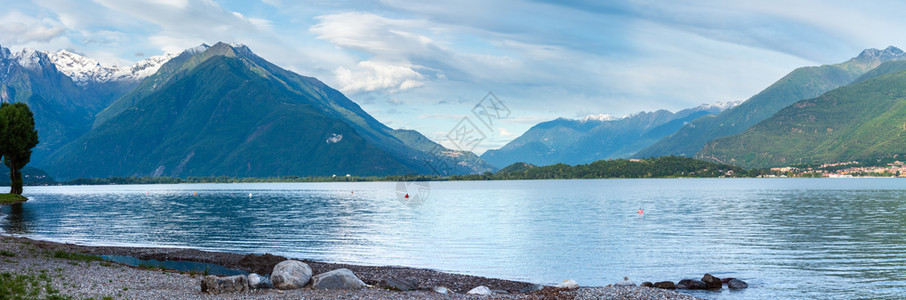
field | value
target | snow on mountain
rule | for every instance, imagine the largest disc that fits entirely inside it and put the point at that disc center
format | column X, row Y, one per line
column 197, row 49
column 600, row 117
column 719, row 106
column 28, row 58
column 83, row 70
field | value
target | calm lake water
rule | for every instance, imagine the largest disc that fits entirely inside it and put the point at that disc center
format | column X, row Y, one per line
column 788, row 238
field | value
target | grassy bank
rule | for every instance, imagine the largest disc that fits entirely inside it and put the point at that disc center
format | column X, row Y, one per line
column 11, row 199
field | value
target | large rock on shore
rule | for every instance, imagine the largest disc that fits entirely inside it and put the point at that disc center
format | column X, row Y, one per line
column 736, row 284
column 259, row 282
column 667, row 285
column 291, row 274
column 532, row 288
column 480, row 290
column 339, row 279
column 691, row 284
column 398, row 284
column 568, row 284
column 711, row 282
column 218, row 285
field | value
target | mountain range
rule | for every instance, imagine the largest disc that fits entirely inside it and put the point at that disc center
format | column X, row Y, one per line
column 214, row 110
column 802, row 83
column 222, row 110
column 64, row 90
column 594, row 137
column 862, row 121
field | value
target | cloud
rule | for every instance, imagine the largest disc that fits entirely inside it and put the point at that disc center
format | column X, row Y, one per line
column 18, row 28
column 372, row 76
column 391, row 39
column 187, row 23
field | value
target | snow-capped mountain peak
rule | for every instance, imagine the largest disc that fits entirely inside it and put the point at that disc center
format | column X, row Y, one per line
column 197, row 49
column 719, row 106
column 83, row 70
column 29, row 58
column 600, row 117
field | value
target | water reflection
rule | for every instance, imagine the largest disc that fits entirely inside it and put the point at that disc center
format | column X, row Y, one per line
column 16, row 219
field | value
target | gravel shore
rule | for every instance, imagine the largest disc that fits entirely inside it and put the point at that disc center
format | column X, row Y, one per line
column 81, row 278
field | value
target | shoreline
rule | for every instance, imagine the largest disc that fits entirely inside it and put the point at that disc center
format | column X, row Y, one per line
column 23, row 255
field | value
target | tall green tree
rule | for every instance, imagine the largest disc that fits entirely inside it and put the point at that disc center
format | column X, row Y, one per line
column 20, row 138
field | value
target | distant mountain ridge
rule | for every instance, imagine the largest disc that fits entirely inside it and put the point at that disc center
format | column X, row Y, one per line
column 84, row 70
column 862, row 121
column 221, row 110
column 595, row 137
column 802, row 83
column 63, row 109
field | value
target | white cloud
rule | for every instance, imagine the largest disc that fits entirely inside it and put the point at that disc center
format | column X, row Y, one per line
column 18, row 28
column 372, row 76
column 375, row 35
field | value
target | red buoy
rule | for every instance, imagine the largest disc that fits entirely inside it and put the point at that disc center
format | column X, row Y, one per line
column 407, row 196
column 640, row 211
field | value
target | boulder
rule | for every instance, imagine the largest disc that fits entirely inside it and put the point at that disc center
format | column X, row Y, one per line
column 691, row 284
column 667, row 285
column 532, row 288
column 218, row 285
column 291, row 274
column 647, row 284
column 397, row 283
column 339, row 279
column 626, row 282
column 479, row 290
column 568, row 284
column 736, row 284
column 711, row 282
column 726, row 279
column 259, row 282
column 441, row 290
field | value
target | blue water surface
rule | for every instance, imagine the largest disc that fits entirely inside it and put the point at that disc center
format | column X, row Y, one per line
column 788, row 238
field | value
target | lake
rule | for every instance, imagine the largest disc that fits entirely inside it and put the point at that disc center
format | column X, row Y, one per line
column 788, row 238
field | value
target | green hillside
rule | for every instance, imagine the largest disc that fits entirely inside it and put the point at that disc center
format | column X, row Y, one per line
column 659, row 167
column 224, row 111
column 802, row 83
column 862, row 121
column 222, row 118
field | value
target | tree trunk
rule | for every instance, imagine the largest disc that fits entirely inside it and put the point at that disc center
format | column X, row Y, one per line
column 15, row 178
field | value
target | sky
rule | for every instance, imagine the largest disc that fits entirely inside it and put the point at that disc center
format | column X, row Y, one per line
column 425, row 65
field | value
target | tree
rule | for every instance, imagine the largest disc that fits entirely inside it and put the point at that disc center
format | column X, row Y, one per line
column 20, row 138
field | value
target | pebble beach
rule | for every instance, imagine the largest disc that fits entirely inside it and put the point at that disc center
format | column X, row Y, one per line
column 67, row 271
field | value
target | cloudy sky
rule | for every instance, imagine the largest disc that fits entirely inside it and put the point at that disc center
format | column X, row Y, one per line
column 423, row 65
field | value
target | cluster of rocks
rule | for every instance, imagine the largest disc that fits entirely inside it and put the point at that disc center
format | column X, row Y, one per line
column 293, row 274
column 708, row 282
column 287, row 275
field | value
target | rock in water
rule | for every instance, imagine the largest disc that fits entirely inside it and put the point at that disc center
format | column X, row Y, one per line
column 691, row 284
column 259, row 282
column 218, row 285
column 291, row 274
column 625, row 282
column 667, row 285
column 568, row 284
column 339, row 279
column 737, row 284
column 647, row 284
column 712, row 283
column 479, row 290
column 398, row 283
column 532, row 288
